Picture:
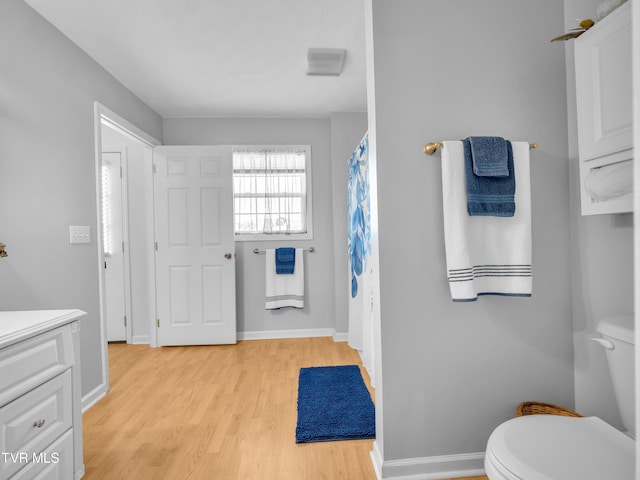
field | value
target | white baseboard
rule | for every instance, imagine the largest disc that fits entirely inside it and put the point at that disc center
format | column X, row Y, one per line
column 270, row 335
column 90, row 399
column 341, row 337
column 376, row 460
column 293, row 333
column 80, row 473
column 141, row 340
column 428, row 468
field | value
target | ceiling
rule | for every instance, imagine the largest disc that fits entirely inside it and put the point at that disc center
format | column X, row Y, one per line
column 219, row 58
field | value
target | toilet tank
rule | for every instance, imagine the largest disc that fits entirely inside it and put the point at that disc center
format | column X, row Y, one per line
column 619, row 332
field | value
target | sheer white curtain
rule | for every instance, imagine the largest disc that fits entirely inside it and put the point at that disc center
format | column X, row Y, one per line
column 269, row 191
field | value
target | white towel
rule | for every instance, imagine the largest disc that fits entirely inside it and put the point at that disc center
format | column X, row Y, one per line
column 610, row 181
column 486, row 255
column 284, row 290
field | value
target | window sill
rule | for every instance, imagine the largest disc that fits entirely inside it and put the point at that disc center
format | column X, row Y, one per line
column 261, row 237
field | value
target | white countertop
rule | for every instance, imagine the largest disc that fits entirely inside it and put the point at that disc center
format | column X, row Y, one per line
column 18, row 325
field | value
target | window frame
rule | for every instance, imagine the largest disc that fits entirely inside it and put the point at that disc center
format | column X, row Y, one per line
column 260, row 237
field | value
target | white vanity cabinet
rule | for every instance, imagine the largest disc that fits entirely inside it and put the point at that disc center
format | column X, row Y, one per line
column 604, row 108
column 40, row 411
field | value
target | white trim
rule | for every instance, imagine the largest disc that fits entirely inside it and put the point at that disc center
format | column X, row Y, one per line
column 308, row 235
column 635, row 32
column 104, row 384
column 266, row 237
column 428, row 468
column 140, row 340
column 341, row 337
column 79, row 473
column 376, row 459
column 124, row 162
column 102, row 115
column 368, row 368
column 124, row 200
column 151, row 251
column 112, row 119
column 375, row 362
column 293, row 333
column 91, row 398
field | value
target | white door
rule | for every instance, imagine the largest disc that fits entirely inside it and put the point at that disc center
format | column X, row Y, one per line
column 113, row 221
column 195, row 250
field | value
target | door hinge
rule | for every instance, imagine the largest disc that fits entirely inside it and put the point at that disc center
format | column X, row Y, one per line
column 155, row 170
column 120, row 172
column 122, row 247
column 125, row 321
column 158, row 323
column 156, row 246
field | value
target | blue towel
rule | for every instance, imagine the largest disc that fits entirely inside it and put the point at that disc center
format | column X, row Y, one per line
column 490, row 196
column 489, row 155
column 285, row 260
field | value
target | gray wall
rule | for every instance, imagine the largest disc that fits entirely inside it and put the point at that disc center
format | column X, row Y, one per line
column 601, row 259
column 47, row 90
column 319, row 311
column 451, row 372
column 347, row 129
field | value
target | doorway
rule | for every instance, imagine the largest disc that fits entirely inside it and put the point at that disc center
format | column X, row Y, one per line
column 115, row 134
column 208, row 194
column 115, row 242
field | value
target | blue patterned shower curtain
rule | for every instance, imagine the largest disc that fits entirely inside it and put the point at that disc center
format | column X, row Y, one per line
column 359, row 215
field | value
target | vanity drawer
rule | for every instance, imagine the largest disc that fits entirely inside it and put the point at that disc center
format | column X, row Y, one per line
column 28, row 364
column 33, row 421
column 55, row 463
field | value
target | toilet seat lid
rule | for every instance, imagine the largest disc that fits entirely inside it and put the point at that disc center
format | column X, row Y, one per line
column 556, row 447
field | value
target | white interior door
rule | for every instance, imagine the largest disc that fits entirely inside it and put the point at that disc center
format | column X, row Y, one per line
column 195, row 250
column 113, row 243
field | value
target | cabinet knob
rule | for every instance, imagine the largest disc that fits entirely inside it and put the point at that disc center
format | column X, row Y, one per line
column 39, row 423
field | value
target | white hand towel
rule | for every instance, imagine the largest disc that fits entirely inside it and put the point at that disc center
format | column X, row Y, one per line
column 610, row 181
column 284, row 290
column 486, row 255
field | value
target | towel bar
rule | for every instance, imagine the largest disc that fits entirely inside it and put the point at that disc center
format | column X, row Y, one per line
column 430, row 148
column 258, row 251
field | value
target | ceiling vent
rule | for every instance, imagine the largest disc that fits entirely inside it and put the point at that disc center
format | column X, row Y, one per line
column 325, row 61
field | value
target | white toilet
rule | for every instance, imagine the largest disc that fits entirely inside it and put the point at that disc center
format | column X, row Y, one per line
column 552, row 447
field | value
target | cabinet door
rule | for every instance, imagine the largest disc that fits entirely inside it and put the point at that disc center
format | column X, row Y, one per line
column 604, row 87
column 55, row 463
column 28, row 364
column 33, row 421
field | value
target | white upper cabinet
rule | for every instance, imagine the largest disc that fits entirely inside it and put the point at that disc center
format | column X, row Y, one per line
column 605, row 119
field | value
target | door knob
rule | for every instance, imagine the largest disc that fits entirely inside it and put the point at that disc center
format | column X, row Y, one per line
column 228, row 255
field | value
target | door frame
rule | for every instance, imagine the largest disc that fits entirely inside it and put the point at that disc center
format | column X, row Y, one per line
column 635, row 32
column 103, row 115
column 126, row 252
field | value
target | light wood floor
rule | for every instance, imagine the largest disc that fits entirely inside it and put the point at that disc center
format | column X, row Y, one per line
column 215, row 412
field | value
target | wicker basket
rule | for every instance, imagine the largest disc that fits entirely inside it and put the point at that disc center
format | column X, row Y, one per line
column 535, row 408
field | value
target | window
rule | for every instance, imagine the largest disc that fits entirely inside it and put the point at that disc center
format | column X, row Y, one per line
column 272, row 192
column 106, row 208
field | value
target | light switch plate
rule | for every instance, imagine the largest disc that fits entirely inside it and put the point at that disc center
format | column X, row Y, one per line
column 79, row 234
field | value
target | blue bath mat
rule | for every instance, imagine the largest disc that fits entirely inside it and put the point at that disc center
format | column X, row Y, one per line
column 333, row 404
